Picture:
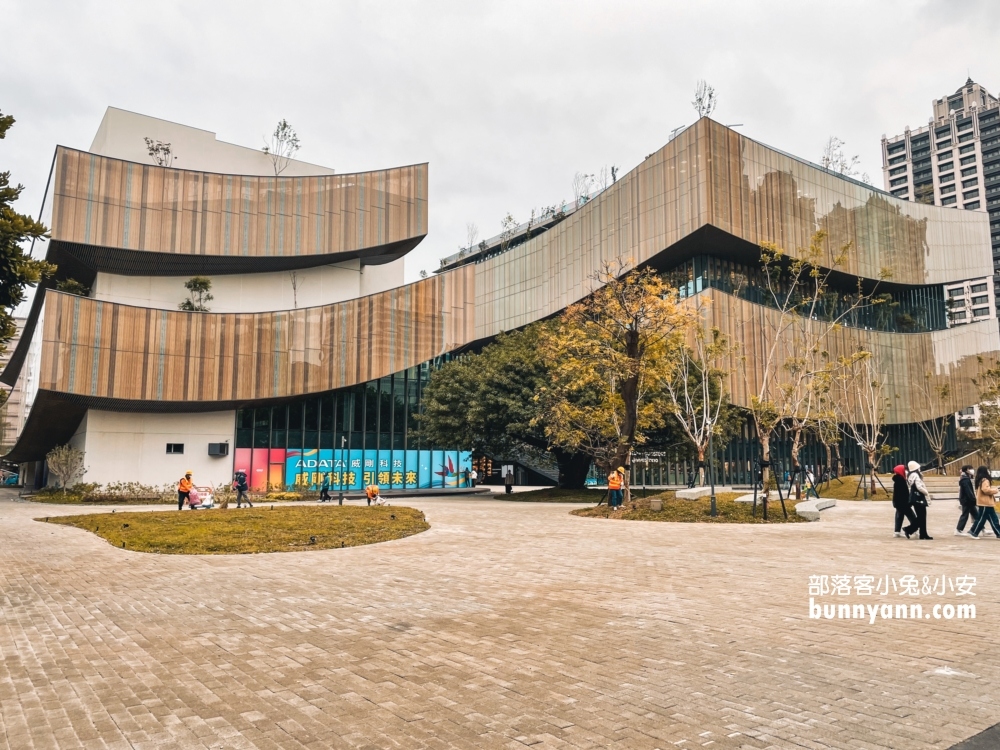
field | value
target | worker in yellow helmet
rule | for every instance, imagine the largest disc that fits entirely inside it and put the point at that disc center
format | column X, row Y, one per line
column 615, row 481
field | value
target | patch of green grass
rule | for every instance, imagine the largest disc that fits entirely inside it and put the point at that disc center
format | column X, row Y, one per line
column 71, row 498
column 846, row 490
column 556, row 495
column 259, row 529
column 694, row 511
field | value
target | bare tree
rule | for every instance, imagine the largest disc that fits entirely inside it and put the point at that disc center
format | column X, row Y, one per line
column 988, row 382
column 704, row 99
column 508, row 228
column 159, row 152
column 423, row 273
column 294, row 278
column 283, row 146
column 789, row 382
column 858, row 384
column 696, row 393
column 934, row 395
column 582, row 184
column 603, row 178
column 837, row 161
column 827, row 430
column 65, row 463
column 471, row 235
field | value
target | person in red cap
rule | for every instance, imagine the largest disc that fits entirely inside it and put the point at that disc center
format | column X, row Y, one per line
column 901, row 502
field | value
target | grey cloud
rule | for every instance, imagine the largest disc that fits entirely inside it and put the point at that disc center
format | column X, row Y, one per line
column 506, row 100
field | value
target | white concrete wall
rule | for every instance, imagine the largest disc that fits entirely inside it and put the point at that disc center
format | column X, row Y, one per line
column 259, row 292
column 133, row 447
column 121, row 134
column 376, row 279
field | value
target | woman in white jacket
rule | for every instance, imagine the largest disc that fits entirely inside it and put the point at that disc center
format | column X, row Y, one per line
column 919, row 496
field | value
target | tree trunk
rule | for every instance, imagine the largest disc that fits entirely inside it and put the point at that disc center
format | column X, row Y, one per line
column 796, row 445
column 701, row 466
column 871, row 471
column 829, row 461
column 630, row 400
column 573, row 468
column 765, row 452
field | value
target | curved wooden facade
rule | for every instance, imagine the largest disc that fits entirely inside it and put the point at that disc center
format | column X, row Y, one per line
column 105, row 350
column 707, row 178
column 103, row 202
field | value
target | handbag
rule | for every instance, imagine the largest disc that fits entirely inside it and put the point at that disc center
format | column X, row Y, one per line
column 916, row 496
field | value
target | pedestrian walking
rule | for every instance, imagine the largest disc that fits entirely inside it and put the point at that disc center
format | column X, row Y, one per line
column 967, row 500
column 324, row 489
column 986, row 502
column 615, row 480
column 901, row 502
column 241, row 486
column 184, row 488
column 508, row 480
column 473, row 476
column 919, row 497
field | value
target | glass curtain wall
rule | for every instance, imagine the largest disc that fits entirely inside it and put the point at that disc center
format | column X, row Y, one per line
column 361, row 435
column 915, row 309
column 675, row 465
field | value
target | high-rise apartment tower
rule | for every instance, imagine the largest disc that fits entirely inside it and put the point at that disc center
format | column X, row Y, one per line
column 954, row 160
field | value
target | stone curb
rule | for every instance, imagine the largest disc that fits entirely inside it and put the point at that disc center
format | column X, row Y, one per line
column 809, row 509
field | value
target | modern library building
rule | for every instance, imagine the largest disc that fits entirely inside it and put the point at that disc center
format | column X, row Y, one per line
column 314, row 353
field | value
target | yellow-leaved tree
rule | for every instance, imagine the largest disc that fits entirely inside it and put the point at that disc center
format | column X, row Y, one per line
column 609, row 356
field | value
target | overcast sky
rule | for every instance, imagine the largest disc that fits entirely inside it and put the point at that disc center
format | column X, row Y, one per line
column 506, row 100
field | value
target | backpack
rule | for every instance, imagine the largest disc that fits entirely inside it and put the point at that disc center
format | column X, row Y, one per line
column 916, row 496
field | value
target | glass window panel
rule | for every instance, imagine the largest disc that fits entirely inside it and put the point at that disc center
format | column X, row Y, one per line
column 312, row 414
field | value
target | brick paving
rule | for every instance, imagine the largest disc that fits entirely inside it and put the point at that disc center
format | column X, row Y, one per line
column 507, row 625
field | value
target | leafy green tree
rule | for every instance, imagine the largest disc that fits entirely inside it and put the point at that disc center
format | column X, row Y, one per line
column 199, row 294
column 611, row 354
column 487, row 402
column 18, row 270
column 72, row 286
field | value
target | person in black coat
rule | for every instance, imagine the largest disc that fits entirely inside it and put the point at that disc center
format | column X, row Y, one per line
column 241, row 486
column 966, row 499
column 901, row 502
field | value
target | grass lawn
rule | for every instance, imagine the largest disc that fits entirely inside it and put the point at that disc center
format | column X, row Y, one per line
column 694, row 511
column 846, row 490
column 260, row 529
column 58, row 498
column 555, row 495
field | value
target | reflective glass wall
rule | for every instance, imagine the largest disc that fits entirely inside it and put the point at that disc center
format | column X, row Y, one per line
column 913, row 309
column 358, row 436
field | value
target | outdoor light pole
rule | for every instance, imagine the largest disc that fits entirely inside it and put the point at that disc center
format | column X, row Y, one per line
column 340, row 484
column 711, row 473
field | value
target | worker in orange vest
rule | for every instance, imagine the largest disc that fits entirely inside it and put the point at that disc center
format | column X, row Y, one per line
column 184, row 489
column 615, row 480
column 372, row 493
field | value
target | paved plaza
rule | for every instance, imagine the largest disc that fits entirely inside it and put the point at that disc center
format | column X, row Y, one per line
column 507, row 625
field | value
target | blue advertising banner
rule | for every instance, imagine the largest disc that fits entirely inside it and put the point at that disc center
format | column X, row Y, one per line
column 412, row 469
column 355, row 469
